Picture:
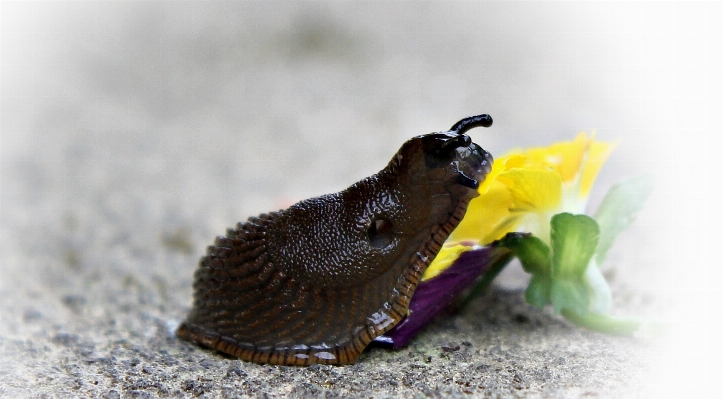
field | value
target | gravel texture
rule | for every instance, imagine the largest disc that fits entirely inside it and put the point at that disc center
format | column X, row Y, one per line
column 134, row 133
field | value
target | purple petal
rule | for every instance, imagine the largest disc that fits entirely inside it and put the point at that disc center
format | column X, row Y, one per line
column 433, row 295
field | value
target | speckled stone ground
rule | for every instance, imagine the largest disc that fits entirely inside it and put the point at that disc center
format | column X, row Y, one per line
column 134, row 133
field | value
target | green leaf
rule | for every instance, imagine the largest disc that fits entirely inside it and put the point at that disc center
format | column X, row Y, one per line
column 574, row 240
column 570, row 294
column 538, row 292
column 619, row 208
column 532, row 252
column 534, row 255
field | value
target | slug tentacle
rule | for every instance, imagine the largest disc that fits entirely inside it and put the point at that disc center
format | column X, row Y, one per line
column 467, row 181
column 471, row 122
column 317, row 282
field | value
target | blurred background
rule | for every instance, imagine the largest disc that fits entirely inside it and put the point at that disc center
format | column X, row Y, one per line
column 129, row 126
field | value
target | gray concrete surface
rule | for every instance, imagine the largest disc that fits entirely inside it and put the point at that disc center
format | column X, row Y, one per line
column 134, row 133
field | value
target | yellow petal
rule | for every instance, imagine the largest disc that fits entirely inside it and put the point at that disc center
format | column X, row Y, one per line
column 498, row 166
column 596, row 157
column 533, row 190
column 445, row 258
column 485, row 214
column 566, row 157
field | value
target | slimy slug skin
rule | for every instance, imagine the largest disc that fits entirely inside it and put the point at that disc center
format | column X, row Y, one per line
column 315, row 283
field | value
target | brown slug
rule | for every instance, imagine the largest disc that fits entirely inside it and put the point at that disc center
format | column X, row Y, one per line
column 317, row 282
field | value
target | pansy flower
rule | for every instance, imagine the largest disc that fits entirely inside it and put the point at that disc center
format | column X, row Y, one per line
column 525, row 188
column 531, row 206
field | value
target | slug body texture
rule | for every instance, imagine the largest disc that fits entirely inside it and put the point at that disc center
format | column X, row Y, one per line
column 317, row 282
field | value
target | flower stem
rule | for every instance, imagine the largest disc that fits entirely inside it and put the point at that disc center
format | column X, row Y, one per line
column 604, row 323
column 498, row 263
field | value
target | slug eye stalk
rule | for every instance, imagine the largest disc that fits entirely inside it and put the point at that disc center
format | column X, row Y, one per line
column 471, row 122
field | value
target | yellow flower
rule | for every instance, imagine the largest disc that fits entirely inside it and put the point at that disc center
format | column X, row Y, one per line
column 524, row 190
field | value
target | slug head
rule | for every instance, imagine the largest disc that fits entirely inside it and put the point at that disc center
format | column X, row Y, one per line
column 448, row 157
